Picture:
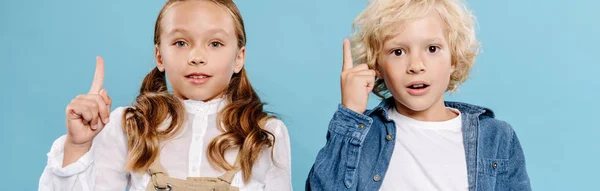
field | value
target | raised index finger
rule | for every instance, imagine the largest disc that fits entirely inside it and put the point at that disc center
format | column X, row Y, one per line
column 347, row 56
column 98, row 77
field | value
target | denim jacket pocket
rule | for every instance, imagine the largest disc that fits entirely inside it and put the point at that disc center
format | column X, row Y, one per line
column 492, row 167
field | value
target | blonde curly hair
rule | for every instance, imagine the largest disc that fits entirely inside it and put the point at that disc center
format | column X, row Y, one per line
column 380, row 19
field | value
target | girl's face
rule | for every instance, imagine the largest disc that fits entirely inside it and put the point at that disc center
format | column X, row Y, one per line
column 198, row 49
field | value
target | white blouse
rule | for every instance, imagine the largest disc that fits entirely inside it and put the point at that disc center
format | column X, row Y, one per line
column 103, row 167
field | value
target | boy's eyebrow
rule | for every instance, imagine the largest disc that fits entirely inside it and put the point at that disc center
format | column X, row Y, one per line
column 395, row 42
column 434, row 40
column 404, row 43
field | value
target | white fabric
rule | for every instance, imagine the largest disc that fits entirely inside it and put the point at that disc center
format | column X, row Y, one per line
column 103, row 168
column 427, row 155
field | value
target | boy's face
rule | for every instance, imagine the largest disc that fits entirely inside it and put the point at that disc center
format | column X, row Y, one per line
column 415, row 63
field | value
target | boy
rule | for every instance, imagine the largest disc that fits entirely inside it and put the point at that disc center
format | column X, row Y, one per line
column 415, row 50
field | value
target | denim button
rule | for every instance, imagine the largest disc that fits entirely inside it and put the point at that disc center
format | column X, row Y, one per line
column 389, row 137
column 361, row 126
column 376, row 178
column 495, row 165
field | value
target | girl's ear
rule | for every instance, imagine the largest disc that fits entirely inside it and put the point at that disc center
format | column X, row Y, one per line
column 158, row 58
column 239, row 60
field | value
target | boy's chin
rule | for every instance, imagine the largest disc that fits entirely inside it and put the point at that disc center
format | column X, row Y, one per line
column 415, row 104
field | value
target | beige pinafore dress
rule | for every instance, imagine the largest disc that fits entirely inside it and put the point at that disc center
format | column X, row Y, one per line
column 160, row 180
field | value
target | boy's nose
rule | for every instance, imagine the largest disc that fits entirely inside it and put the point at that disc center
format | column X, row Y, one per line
column 416, row 65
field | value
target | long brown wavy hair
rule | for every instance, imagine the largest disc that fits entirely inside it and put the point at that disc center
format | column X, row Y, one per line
column 243, row 118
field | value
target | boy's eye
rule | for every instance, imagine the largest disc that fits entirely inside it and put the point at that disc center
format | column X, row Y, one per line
column 216, row 44
column 180, row 43
column 433, row 49
column 398, row 52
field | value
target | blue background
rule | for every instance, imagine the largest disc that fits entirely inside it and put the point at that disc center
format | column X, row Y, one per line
column 538, row 70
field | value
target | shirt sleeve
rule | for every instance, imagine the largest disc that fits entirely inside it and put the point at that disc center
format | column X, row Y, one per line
column 279, row 176
column 107, row 157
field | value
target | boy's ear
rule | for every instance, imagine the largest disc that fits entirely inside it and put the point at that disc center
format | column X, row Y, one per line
column 452, row 68
column 158, row 58
column 378, row 71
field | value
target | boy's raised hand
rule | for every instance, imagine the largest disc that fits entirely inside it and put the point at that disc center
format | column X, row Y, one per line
column 356, row 82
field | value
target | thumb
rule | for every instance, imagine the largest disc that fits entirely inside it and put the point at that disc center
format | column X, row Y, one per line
column 71, row 114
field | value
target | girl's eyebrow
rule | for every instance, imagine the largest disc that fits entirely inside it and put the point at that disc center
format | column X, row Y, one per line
column 218, row 31
column 186, row 32
column 177, row 30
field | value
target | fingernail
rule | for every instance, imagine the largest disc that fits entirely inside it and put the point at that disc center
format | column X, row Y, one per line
column 106, row 120
column 94, row 127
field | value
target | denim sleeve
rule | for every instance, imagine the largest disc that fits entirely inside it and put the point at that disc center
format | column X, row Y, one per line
column 336, row 163
column 517, row 172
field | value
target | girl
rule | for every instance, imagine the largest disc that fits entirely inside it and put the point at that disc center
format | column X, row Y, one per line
column 210, row 133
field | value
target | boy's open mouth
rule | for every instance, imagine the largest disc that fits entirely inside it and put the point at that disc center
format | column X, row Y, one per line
column 418, row 86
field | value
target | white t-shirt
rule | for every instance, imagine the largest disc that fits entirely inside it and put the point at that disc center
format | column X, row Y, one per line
column 103, row 168
column 427, row 155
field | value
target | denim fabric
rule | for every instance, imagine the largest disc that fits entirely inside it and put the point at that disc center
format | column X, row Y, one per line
column 357, row 153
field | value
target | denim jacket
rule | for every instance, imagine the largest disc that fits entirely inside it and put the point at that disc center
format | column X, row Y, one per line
column 359, row 148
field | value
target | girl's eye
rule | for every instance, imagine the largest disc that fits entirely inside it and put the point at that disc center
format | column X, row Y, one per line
column 433, row 49
column 180, row 43
column 398, row 52
column 216, row 44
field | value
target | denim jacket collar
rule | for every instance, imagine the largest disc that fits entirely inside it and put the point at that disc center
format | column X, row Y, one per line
column 385, row 105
